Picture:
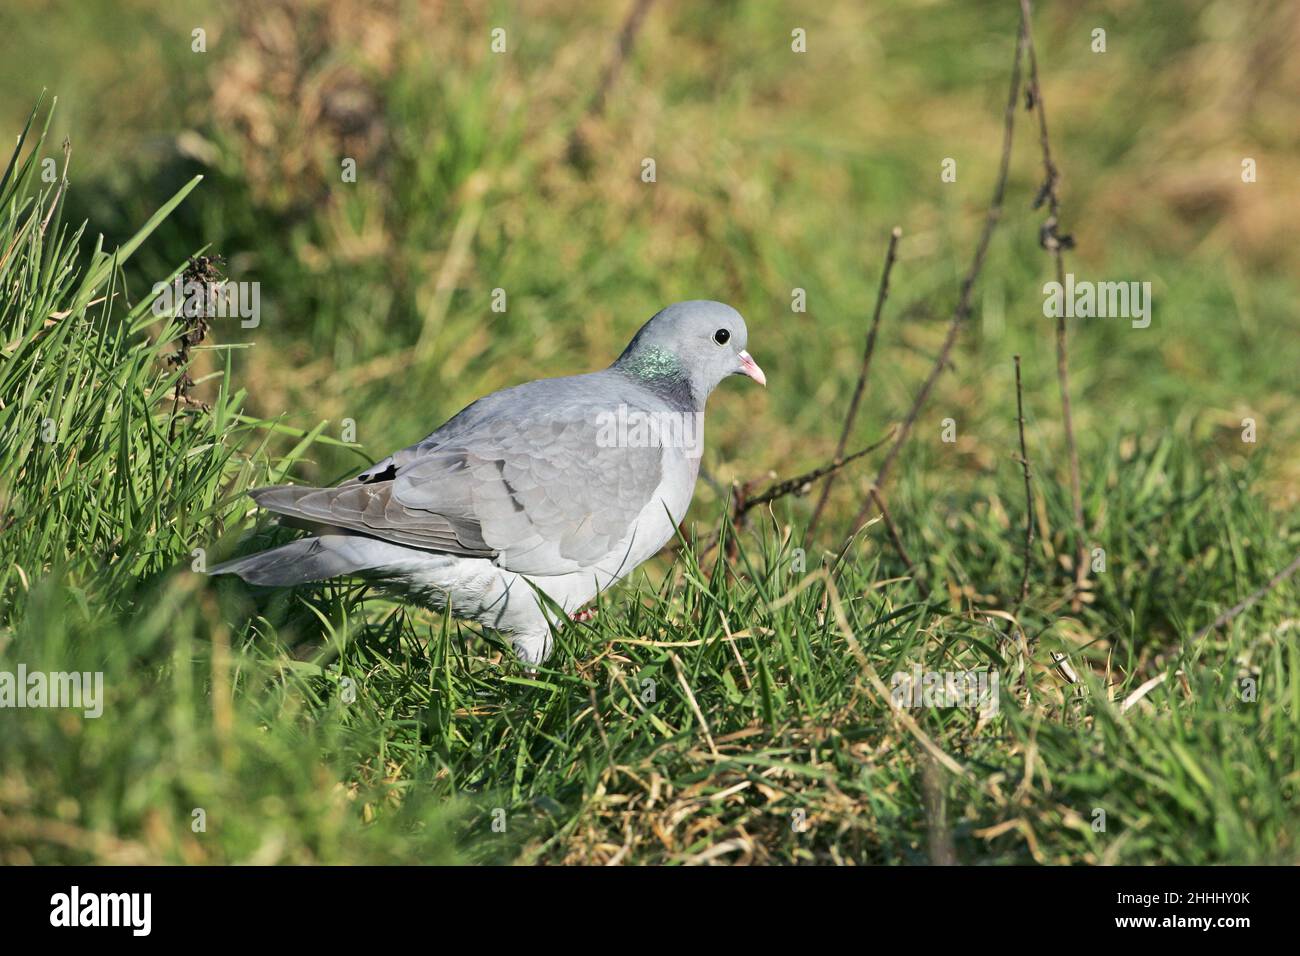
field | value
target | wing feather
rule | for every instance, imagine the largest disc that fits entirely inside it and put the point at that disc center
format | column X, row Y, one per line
column 540, row 493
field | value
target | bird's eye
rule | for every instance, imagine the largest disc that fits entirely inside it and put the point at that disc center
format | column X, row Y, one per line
column 722, row 336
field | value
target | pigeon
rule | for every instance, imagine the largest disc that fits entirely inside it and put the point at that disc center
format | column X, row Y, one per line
column 533, row 499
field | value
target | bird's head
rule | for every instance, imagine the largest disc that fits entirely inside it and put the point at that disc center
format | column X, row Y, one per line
column 696, row 343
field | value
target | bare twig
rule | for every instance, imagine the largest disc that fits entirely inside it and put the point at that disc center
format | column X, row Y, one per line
column 881, row 294
column 895, row 538
column 962, row 309
column 1029, row 494
column 205, row 271
column 1051, row 239
column 744, row 504
column 791, row 485
column 626, row 40
column 1225, row 618
column 1250, row 601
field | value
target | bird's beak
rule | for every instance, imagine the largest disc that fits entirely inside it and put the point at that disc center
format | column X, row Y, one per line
column 749, row 367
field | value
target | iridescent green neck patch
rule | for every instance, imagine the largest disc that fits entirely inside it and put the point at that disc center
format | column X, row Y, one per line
column 652, row 362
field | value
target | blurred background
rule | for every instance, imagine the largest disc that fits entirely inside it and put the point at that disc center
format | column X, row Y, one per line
column 776, row 171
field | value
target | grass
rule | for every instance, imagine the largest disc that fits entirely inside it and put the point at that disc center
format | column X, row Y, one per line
column 724, row 705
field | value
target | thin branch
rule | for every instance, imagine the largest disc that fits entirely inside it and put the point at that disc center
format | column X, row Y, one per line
column 1249, row 602
column 1029, row 494
column 881, row 294
column 596, row 108
column 799, row 484
column 791, row 485
column 206, row 271
column 1056, row 243
column 962, row 309
column 1225, row 618
column 895, row 538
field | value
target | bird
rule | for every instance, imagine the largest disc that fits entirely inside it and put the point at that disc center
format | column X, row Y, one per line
column 529, row 502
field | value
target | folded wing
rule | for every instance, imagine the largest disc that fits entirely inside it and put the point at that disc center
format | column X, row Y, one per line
column 546, row 492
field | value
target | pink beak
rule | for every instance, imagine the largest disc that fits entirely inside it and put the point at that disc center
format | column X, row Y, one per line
column 749, row 367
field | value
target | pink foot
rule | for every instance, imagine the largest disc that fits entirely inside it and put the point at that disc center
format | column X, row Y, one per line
column 581, row 616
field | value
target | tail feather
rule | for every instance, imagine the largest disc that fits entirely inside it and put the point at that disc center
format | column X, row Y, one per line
column 307, row 559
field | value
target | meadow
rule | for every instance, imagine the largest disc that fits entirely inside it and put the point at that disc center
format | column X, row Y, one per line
column 734, row 701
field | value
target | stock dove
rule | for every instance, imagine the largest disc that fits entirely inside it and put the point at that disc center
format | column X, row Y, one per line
column 562, row 485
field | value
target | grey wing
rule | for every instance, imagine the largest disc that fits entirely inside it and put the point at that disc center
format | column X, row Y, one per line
column 371, row 509
column 552, row 492
column 547, row 493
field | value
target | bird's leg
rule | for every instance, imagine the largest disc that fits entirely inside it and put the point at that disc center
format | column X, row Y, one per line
column 581, row 616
